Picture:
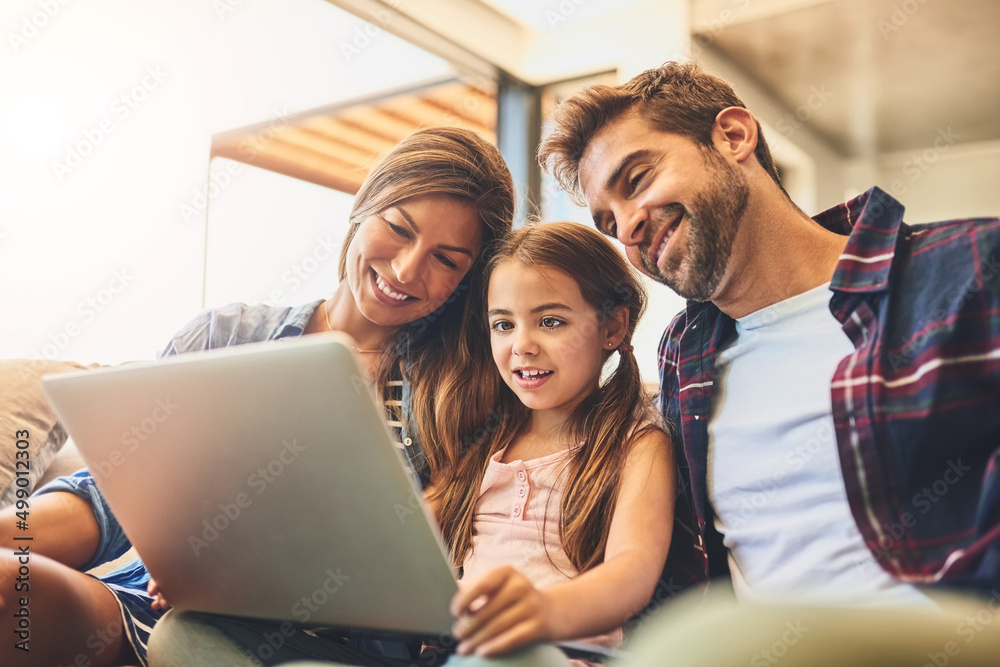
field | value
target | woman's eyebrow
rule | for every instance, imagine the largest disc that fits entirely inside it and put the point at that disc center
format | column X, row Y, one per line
column 409, row 219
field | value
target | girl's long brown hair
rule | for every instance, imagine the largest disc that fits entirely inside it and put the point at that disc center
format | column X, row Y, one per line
column 442, row 353
column 607, row 422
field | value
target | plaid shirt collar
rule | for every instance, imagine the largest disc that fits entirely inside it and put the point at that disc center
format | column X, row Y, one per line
column 872, row 221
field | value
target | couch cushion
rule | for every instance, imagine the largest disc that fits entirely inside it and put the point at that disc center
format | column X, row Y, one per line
column 27, row 423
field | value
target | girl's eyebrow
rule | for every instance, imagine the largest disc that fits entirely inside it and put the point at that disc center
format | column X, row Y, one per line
column 550, row 306
column 409, row 219
column 537, row 309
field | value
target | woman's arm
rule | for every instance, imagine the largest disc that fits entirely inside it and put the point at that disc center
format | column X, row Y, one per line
column 63, row 526
column 503, row 610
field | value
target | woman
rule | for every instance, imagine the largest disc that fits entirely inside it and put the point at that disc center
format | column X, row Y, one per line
column 423, row 224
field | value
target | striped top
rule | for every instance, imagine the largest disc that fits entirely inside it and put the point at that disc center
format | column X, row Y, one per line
column 915, row 406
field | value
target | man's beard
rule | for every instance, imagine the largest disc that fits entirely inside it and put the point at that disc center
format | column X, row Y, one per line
column 712, row 222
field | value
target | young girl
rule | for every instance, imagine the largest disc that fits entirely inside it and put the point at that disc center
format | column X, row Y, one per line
column 560, row 515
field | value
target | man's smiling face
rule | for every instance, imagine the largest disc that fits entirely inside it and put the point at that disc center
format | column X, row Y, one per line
column 674, row 204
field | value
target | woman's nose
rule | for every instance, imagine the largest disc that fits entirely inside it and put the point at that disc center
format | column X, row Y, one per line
column 407, row 266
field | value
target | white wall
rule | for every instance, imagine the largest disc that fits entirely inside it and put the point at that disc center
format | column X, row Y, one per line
column 943, row 180
column 275, row 239
column 101, row 259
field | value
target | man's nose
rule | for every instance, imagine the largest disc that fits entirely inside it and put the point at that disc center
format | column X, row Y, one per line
column 632, row 223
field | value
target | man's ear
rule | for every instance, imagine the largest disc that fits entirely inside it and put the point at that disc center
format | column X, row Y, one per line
column 735, row 133
column 616, row 326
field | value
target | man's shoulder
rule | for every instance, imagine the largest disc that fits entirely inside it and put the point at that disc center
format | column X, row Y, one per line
column 950, row 250
column 926, row 233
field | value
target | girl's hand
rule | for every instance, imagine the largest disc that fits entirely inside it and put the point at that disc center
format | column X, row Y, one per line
column 501, row 612
column 159, row 602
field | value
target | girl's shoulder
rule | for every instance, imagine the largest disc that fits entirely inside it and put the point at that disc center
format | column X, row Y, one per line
column 649, row 435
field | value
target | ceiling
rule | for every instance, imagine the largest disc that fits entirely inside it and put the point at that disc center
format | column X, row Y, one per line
column 335, row 146
column 871, row 76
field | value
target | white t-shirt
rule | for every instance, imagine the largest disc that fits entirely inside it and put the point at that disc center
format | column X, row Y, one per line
column 774, row 477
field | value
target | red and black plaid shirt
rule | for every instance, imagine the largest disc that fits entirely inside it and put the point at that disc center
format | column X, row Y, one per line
column 916, row 407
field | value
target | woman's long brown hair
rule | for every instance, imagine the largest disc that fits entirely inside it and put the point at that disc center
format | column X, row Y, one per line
column 442, row 353
column 607, row 422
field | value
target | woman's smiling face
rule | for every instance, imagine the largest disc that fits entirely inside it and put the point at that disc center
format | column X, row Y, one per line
column 404, row 262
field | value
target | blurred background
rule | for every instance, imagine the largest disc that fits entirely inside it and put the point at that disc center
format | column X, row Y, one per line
column 159, row 158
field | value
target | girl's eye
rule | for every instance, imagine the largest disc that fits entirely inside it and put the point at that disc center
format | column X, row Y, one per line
column 501, row 326
column 444, row 259
column 551, row 322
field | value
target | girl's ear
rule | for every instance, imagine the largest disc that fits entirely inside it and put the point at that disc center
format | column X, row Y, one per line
column 616, row 326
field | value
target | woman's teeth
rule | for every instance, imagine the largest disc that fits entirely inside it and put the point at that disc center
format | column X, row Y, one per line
column 533, row 373
column 388, row 291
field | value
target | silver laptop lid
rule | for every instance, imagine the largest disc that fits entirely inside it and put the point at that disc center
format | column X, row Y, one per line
column 262, row 481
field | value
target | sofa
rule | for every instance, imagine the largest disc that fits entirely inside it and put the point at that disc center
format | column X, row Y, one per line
column 34, row 447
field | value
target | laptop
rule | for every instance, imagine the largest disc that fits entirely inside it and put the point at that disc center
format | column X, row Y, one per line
column 262, row 481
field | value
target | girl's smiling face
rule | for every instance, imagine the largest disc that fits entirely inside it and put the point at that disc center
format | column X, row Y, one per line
column 548, row 343
column 404, row 262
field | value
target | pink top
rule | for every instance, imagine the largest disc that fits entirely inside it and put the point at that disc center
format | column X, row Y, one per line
column 517, row 522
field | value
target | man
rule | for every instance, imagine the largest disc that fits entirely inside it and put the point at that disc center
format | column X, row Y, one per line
column 833, row 384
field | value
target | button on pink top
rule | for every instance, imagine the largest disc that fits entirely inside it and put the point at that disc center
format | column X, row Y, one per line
column 517, row 521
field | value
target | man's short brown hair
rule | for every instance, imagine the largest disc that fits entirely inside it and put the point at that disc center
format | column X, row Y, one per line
column 678, row 97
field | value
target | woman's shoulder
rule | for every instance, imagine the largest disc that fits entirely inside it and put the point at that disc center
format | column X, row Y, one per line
column 238, row 323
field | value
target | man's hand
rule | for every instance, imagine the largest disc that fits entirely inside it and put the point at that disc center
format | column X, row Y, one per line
column 501, row 612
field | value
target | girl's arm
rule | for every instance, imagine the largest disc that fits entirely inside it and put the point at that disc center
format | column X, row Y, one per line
column 503, row 611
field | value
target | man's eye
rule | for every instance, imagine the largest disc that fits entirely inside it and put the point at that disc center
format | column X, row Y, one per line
column 634, row 181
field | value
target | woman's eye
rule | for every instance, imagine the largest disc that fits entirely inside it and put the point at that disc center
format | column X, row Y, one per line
column 399, row 231
column 501, row 325
column 551, row 322
column 444, row 259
